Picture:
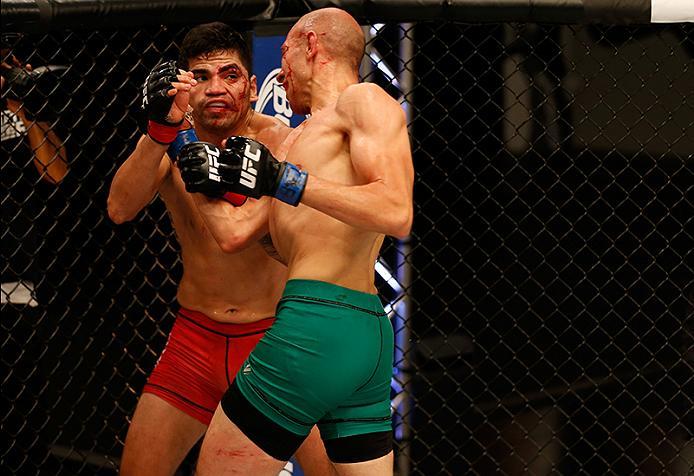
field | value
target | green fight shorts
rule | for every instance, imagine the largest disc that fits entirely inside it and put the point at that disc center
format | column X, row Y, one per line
column 327, row 360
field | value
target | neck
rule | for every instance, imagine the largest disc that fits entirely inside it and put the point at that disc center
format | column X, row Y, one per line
column 328, row 82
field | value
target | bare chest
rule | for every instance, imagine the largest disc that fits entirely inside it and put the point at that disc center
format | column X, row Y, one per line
column 185, row 217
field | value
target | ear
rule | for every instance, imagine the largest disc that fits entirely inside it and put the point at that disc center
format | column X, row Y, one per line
column 253, row 93
column 311, row 45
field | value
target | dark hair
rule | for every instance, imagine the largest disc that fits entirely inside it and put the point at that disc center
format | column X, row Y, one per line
column 211, row 38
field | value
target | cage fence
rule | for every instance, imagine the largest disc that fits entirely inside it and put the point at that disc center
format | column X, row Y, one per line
column 542, row 305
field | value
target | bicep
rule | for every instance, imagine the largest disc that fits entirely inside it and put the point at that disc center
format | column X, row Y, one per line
column 380, row 148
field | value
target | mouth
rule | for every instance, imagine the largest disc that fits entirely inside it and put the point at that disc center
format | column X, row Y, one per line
column 217, row 106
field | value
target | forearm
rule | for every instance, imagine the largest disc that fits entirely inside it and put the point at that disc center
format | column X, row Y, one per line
column 370, row 207
column 233, row 228
column 50, row 158
column 136, row 181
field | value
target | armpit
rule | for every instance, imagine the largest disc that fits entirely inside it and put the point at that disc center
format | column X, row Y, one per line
column 266, row 243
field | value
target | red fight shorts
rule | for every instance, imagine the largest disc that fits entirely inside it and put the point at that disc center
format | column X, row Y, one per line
column 200, row 361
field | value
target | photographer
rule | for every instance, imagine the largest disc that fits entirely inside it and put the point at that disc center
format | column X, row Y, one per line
column 32, row 157
column 19, row 121
column 32, row 163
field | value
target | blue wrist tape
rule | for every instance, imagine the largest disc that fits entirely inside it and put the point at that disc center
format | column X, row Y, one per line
column 292, row 184
column 186, row 136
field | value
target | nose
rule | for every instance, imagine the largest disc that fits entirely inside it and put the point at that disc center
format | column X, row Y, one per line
column 214, row 86
column 281, row 77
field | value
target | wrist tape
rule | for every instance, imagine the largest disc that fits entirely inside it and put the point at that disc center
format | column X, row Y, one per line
column 292, row 184
column 163, row 134
column 183, row 137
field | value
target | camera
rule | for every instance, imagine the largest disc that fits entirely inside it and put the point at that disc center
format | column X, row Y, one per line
column 33, row 89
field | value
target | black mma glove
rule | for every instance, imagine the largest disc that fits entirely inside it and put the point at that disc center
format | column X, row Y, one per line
column 157, row 103
column 244, row 167
column 198, row 161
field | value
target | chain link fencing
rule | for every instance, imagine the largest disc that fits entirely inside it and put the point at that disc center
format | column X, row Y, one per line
column 543, row 301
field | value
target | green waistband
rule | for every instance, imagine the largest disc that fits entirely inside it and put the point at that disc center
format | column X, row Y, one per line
column 327, row 293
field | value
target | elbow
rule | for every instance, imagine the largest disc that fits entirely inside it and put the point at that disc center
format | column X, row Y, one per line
column 229, row 245
column 233, row 242
column 64, row 169
column 56, row 178
column 400, row 224
column 116, row 213
column 61, row 168
column 117, row 217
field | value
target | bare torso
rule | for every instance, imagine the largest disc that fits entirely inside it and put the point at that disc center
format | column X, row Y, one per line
column 313, row 244
column 228, row 287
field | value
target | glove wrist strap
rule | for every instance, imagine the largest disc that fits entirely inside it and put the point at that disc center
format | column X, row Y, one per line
column 235, row 199
column 163, row 134
column 292, row 184
column 183, row 137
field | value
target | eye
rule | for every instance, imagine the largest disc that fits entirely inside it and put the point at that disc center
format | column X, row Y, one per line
column 200, row 77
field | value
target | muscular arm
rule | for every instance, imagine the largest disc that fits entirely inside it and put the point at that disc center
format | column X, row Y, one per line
column 380, row 153
column 234, row 228
column 137, row 180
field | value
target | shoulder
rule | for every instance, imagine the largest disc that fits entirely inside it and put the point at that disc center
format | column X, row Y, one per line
column 269, row 130
column 366, row 104
column 270, row 126
column 364, row 93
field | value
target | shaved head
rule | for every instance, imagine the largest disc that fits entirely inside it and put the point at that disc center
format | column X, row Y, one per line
column 338, row 32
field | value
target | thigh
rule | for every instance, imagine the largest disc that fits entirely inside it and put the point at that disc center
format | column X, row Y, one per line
column 226, row 450
column 312, row 457
column 159, row 438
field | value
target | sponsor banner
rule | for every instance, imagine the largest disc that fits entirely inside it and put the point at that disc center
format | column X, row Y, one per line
column 272, row 99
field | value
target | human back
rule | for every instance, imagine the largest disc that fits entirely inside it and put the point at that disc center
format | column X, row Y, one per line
column 356, row 141
column 314, row 244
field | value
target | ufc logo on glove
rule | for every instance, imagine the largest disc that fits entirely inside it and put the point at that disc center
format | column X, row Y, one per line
column 249, row 172
column 212, row 160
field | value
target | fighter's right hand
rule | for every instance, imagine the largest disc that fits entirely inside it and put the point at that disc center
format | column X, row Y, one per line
column 165, row 101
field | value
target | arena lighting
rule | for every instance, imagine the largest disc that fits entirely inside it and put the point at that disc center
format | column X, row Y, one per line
column 383, row 67
column 388, row 277
column 376, row 28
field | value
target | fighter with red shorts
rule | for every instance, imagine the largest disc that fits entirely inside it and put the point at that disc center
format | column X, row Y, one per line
column 227, row 300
